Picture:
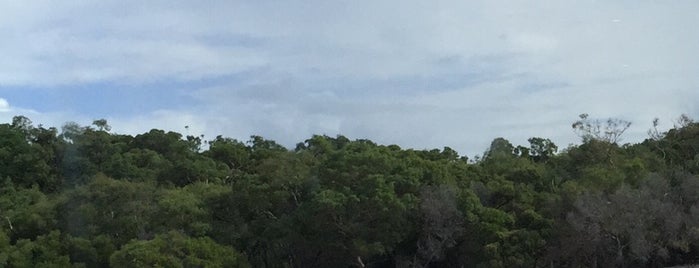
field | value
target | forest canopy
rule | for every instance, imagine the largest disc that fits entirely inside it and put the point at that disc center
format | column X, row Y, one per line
column 84, row 196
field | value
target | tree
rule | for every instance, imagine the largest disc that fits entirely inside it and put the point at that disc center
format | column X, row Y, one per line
column 231, row 152
column 442, row 224
column 22, row 161
column 630, row 227
column 25, row 213
column 91, row 198
column 499, row 148
column 44, row 251
column 541, row 150
column 609, row 131
column 176, row 250
column 102, row 125
column 182, row 209
column 122, row 210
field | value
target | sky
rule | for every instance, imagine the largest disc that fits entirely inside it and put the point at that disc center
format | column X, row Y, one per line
column 419, row 74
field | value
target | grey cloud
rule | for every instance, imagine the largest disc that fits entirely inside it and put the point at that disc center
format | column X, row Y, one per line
column 420, row 74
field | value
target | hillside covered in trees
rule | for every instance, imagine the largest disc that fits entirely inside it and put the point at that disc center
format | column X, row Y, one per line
column 82, row 196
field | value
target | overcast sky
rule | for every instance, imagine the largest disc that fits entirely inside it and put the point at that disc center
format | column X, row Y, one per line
column 420, row 74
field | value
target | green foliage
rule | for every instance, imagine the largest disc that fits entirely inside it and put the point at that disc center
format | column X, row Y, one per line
column 176, row 250
column 26, row 212
column 44, row 251
column 90, row 198
column 182, row 209
column 121, row 210
column 24, row 162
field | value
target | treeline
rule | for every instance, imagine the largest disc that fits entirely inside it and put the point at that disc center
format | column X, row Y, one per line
column 86, row 197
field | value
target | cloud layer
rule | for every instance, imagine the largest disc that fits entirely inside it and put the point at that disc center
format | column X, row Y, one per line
column 419, row 74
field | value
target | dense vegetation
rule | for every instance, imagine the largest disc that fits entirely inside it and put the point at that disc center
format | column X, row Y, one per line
column 86, row 197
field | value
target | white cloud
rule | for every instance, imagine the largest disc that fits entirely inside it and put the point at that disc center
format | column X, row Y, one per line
column 529, row 42
column 183, row 122
column 118, row 41
column 52, row 119
column 4, row 105
column 421, row 74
